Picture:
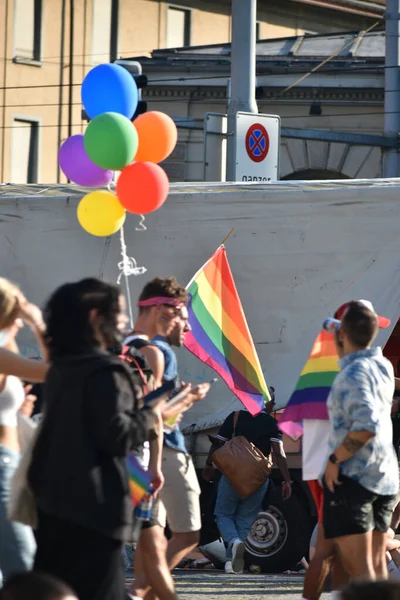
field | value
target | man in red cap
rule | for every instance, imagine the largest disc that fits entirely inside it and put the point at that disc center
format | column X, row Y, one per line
column 361, row 479
column 315, row 453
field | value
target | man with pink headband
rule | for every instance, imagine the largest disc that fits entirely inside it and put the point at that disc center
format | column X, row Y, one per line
column 159, row 305
column 161, row 311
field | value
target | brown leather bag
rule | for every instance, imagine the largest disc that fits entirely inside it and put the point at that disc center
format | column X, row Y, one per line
column 245, row 466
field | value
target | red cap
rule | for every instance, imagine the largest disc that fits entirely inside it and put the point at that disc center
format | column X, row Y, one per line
column 383, row 322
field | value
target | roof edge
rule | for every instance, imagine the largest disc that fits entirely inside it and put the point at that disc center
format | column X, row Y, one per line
column 358, row 7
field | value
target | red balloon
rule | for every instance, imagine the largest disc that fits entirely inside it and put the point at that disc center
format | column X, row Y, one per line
column 142, row 187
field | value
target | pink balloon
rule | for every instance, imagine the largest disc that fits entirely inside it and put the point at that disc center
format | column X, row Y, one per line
column 77, row 166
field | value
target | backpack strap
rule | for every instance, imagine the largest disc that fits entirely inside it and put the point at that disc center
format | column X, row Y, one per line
column 137, row 343
column 131, row 360
column 235, row 421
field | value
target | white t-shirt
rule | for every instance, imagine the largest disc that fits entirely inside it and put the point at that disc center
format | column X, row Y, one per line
column 315, row 448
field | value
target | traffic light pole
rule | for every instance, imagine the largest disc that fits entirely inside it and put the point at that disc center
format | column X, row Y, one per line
column 243, row 72
column 392, row 86
column 135, row 69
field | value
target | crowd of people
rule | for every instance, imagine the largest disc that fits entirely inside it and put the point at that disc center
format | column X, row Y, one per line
column 98, row 373
column 94, row 414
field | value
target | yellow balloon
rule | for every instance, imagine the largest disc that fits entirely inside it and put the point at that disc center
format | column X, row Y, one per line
column 100, row 213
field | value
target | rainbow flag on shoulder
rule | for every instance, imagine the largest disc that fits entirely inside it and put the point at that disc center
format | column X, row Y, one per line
column 220, row 336
column 308, row 401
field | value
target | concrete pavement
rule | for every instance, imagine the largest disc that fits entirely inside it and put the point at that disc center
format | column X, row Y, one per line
column 213, row 585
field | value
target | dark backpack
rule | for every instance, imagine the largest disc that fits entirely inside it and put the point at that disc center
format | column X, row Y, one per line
column 140, row 368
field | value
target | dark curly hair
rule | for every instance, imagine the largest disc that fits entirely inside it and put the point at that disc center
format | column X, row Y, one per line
column 384, row 590
column 35, row 586
column 164, row 286
column 66, row 315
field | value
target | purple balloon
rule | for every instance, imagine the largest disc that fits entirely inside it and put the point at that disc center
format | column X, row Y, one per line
column 78, row 167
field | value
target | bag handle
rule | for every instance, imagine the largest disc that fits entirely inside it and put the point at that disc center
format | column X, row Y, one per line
column 235, row 422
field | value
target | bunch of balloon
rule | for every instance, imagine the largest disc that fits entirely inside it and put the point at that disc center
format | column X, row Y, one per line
column 143, row 186
column 113, row 143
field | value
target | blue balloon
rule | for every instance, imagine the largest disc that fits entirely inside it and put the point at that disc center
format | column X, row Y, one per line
column 109, row 88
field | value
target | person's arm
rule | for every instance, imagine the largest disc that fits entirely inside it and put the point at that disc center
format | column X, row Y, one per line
column 278, row 451
column 156, row 361
column 32, row 316
column 281, row 462
column 39, row 331
column 156, row 447
column 224, row 434
column 27, row 369
column 362, row 410
column 115, row 426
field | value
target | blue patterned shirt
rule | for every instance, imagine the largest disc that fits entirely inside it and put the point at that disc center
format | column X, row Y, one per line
column 361, row 400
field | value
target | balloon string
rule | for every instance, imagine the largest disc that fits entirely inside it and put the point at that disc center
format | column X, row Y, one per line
column 128, row 266
column 141, row 226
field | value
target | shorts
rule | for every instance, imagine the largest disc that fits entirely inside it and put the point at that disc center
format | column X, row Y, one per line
column 179, row 499
column 138, row 525
column 351, row 509
column 317, row 493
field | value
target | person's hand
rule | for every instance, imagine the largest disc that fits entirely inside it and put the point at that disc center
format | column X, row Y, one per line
column 28, row 404
column 158, row 408
column 286, row 490
column 30, row 314
column 331, row 476
column 169, row 411
column 197, row 393
column 209, row 473
column 158, row 480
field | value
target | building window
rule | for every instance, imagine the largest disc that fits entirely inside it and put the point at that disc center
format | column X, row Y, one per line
column 105, row 29
column 178, row 27
column 24, row 151
column 27, row 29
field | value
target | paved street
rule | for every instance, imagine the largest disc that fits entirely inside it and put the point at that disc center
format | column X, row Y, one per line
column 211, row 585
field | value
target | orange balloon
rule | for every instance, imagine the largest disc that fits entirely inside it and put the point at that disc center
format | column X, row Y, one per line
column 142, row 187
column 157, row 136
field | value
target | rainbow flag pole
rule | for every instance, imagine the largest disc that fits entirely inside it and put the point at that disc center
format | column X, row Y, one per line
column 220, row 336
column 308, row 401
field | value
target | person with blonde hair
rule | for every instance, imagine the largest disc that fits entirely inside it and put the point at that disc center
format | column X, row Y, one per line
column 17, row 544
column 12, row 303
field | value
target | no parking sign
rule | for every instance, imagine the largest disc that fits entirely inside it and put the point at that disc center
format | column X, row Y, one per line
column 257, row 147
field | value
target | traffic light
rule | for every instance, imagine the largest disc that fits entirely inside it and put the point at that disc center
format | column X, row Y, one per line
column 135, row 69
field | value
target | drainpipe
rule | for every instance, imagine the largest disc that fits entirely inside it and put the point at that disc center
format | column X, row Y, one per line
column 242, row 95
column 60, row 93
column 71, row 66
column 392, row 86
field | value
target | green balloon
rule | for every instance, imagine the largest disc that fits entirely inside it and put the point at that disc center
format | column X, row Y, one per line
column 111, row 141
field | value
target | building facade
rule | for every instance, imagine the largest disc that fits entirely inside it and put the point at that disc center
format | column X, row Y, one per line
column 49, row 45
column 296, row 81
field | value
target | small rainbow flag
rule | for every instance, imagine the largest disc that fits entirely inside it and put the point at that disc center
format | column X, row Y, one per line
column 220, row 336
column 308, row 401
column 139, row 479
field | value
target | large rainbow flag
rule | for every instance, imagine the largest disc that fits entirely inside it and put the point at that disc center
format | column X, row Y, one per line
column 220, row 336
column 308, row 401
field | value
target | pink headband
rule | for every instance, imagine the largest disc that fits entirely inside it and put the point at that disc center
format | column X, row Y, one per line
column 159, row 300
